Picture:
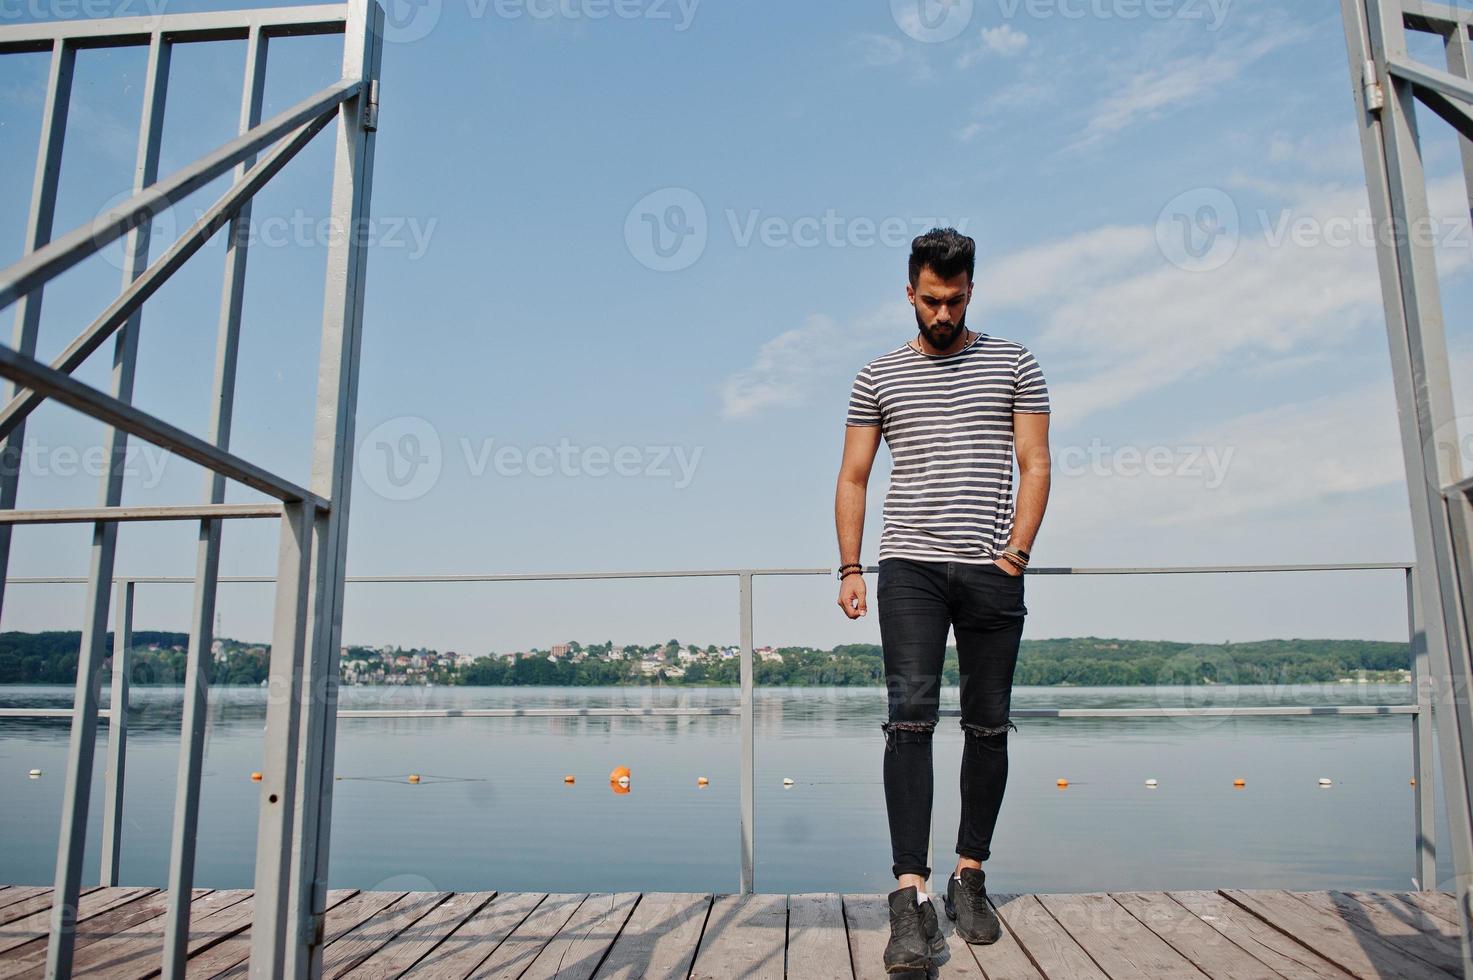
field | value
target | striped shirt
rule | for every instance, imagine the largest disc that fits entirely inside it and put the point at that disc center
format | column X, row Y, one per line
column 948, row 421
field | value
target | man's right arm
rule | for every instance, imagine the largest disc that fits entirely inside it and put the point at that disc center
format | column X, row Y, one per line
column 861, row 443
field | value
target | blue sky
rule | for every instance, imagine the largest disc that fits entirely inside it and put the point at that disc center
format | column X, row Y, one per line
column 679, row 404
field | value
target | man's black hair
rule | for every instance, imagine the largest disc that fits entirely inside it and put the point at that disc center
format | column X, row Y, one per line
column 946, row 251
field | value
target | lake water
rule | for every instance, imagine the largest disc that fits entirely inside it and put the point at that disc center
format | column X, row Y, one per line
column 492, row 810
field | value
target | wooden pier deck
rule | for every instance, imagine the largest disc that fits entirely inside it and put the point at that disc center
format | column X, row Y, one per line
column 1218, row 934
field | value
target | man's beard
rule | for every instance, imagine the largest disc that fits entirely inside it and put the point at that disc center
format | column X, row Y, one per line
column 941, row 337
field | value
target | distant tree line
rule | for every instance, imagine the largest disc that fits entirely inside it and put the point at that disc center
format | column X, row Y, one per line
column 159, row 658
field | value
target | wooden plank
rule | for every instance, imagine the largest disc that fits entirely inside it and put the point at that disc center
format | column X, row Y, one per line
column 1440, row 904
column 410, row 946
column 1429, row 947
column 744, row 937
column 99, row 932
column 1115, row 939
column 1004, row 959
column 38, row 923
column 579, row 947
column 355, row 945
column 1284, row 954
column 138, row 950
column 1401, row 905
column 1209, row 949
column 232, row 957
column 477, row 937
column 514, row 953
column 1046, row 942
column 659, row 941
column 1361, row 953
column 817, row 945
column 867, row 918
column 38, row 901
column 222, row 939
column 19, row 893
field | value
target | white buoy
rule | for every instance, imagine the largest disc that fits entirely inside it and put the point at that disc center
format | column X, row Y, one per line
column 1324, row 781
column 787, row 781
column 1151, row 783
column 34, row 774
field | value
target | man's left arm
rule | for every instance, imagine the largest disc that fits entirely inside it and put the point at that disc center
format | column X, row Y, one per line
column 1030, row 443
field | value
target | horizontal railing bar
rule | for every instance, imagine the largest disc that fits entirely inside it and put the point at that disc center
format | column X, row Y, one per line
column 1223, row 712
column 722, row 572
column 87, row 515
column 532, row 712
column 219, row 25
column 50, row 260
column 27, row 372
column 46, row 713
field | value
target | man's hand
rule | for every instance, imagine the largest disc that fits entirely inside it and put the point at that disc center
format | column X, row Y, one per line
column 1007, row 566
column 852, row 596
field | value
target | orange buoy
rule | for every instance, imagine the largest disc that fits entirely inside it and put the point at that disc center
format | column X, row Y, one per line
column 702, row 781
column 1061, row 783
column 255, row 777
column 1414, row 781
column 1240, row 783
column 568, row 779
column 414, row 777
column 620, row 772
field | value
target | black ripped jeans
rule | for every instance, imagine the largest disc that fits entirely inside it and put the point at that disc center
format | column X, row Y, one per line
column 918, row 601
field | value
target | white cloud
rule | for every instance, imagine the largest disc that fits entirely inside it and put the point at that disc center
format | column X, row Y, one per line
column 1004, row 41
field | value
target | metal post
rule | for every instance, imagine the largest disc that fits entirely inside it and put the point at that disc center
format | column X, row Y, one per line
column 182, row 847
column 73, row 838
column 117, row 737
column 748, row 800
column 332, row 477
column 1375, row 35
column 38, row 233
column 269, row 927
column 1424, row 794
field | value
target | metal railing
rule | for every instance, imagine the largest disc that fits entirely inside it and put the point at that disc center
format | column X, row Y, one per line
column 1424, row 847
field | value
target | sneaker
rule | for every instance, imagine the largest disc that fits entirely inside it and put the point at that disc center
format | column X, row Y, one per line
column 915, row 933
column 967, row 906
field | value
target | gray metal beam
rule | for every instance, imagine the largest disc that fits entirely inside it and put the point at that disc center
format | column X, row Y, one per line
column 746, row 827
column 1376, row 47
column 136, row 293
column 123, row 417
column 52, row 259
column 1424, row 794
column 72, row 844
column 270, row 922
column 38, row 233
column 182, row 846
column 220, row 25
column 88, row 515
column 332, row 477
column 115, row 778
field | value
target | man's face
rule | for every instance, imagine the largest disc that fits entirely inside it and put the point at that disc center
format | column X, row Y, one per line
column 940, row 305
